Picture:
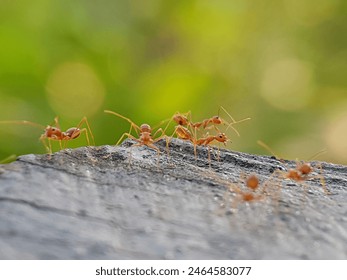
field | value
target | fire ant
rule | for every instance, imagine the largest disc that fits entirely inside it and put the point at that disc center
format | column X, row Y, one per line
column 182, row 119
column 144, row 132
column 250, row 195
column 301, row 173
column 54, row 132
column 250, row 190
column 184, row 134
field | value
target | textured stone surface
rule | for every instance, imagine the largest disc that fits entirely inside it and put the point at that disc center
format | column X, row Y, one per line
column 99, row 203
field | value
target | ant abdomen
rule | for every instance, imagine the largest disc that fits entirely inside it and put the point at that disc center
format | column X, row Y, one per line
column 73, row 132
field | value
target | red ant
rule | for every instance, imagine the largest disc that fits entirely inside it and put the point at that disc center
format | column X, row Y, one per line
column 184, row 134
column 252, row 184
column 182, row 119
column 301, row 173
column 54, row 132
column 254, row 190
column 144, row 132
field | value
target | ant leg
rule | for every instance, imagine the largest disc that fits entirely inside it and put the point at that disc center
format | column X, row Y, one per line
column 47, row 147
column 167, row 140
column 121, row 138
column 60, row 144
column 161, row 135
column 56, row 122
column 136, row 127
column 139, row 143
column 195, row 152
column 84, row 130
column 87, row 131
column 158, row 152
column 215, row 153
column 168, row 124
column 305, row 186
column 126, row 134
column 322, row 179
column 50, row 146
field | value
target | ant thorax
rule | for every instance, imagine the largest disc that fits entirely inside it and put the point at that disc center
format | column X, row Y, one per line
column 146, row 137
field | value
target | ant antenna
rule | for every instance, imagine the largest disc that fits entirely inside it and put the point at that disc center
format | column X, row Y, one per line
column 232, row 119
column 26, row 123
column 233, row 128
column 266, row 147
column 317, row 154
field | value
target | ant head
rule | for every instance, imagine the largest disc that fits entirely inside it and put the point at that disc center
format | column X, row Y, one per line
column 216, row 120
column 252, row 182
column 305, row 168
column 145, row 128
column 221, row 137
column 51, row 130
column 180, row 119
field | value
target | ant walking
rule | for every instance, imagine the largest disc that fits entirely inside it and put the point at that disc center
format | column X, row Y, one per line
column 54, row 132
column 301, row 173
column 184, row 134
column 143, row 131
column 247, row 190
column 188, row 130
column 183, row 120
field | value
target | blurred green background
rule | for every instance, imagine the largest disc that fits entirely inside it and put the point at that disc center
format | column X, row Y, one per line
column 281, row 62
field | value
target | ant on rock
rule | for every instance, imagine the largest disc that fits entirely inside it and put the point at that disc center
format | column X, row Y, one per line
column 249, row 190
column 144, row 132
column 214, row 121
column 54, row 132
column 188, row 130
column 301, row 173
column 184, row 134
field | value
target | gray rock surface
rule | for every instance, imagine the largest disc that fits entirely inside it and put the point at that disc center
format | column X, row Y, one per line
column 102, row 203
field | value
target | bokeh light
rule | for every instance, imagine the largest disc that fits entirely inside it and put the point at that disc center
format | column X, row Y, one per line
column 287, row 84
column 74, row 90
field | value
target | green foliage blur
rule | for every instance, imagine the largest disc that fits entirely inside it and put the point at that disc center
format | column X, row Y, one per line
column 282, row 63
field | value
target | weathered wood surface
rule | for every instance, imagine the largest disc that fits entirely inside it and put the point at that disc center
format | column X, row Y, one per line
column 92, row 203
